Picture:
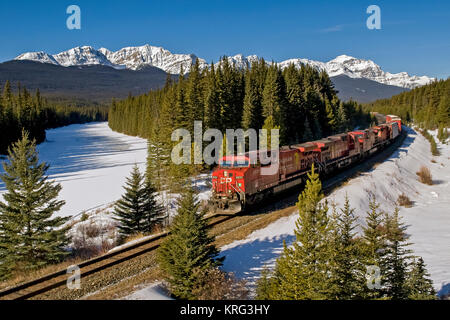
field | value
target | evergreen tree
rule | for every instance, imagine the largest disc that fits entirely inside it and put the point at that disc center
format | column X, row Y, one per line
column 252, row 114
column 154, row 213
column 347, row 270
column 342, row 119
column 137, row 211
column 396, row 259
column 269, row 125
column 194, row 96
column 301, row 272
column 420, row 287
column 374, row 246
column 30, row 235
column 307, row 134
column 274, row 95
column 331, row 117
column 294, row 115
column 212, row 102
column 187, row 248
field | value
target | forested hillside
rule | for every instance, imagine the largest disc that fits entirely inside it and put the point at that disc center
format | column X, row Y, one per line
column 427, row 106
column 31, row 112
column 301, row 102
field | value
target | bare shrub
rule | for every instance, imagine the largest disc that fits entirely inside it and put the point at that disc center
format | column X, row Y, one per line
column 92, row 230
column 214, row 284
column 404, row 201
column 91, row 240
column 425, row 175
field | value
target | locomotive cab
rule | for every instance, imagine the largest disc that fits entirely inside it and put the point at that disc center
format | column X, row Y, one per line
column 228, row 181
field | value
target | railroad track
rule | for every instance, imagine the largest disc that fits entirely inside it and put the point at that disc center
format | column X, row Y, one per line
column 57, row 279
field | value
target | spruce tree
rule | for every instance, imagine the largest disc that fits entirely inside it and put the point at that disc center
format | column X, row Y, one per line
column 396, row 259
column 252, row 114
column 212, row 102
column 346, row 263
column 137, row 211
column 420, row 286
column 154, row 213
column 188, row 248
column 294, row 113
column 374, row 247
column 301, row 272
column 274, row 95
column 307, row 133
column 30, row 235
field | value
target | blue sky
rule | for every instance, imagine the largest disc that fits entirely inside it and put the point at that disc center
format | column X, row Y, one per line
column 415, row 35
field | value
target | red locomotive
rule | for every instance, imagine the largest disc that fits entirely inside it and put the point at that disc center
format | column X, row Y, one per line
column 237, row 182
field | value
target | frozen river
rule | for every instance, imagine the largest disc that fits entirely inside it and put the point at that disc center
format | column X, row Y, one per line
column 91, row 162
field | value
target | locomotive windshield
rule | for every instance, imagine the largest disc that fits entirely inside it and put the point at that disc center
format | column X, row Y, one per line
column 235, row 164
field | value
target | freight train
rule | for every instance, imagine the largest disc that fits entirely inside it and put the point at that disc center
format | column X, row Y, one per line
column 238, row 183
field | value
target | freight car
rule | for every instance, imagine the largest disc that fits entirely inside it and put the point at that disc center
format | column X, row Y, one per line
column 238, row 183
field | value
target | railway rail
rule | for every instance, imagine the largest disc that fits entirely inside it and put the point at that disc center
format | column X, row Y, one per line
column 57, row 279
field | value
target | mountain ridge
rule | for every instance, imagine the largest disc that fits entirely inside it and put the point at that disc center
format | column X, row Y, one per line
column 135, row 58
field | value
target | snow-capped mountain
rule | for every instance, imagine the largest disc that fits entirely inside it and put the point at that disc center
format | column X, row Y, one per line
column 82, row 56
column 38, row 56
column 359, row 68
column 135, row 58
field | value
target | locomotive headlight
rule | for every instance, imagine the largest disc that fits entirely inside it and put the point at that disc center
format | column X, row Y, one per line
column 239, row 184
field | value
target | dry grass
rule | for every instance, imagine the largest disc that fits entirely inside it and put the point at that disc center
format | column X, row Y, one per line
column 433, row 161
column 425, row 175
column 133, row 237
column 25, row 276
column 404, row 201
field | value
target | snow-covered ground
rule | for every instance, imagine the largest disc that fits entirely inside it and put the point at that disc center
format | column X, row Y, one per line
column 152, row 292
column 428, row 219
column 91, row 162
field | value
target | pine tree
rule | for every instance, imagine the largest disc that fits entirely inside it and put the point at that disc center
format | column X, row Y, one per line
column 138, row 211
column 252, row 114
column 212, row 102
column 331, row 117
column 274, row 95
column 420, row 286
column 301, row 272
column 307, row 134
column 293, row 115
column 396, row 259
column 374, row 246
column 155, row 214
column 187, row 248
column 342, row 118
column 30, row 235
column 269, row 125
column 194, row 97
column 347, row 271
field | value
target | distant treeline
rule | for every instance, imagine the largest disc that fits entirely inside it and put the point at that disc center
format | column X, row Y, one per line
column 302, row 102
column 22, row 110
column 428, row 106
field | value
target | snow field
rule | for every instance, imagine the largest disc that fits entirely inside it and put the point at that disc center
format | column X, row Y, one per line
column 428, row 220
